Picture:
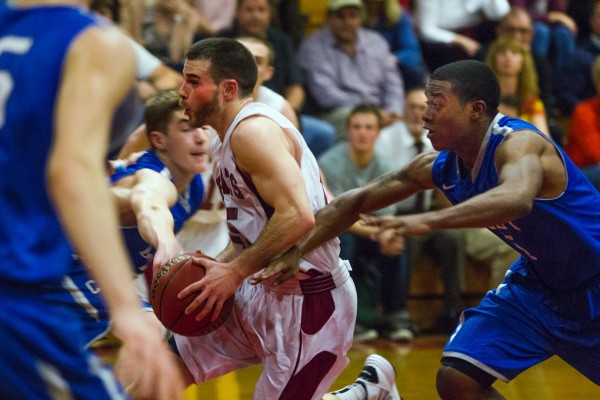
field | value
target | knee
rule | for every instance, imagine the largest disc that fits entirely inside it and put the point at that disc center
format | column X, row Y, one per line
column 452, row 384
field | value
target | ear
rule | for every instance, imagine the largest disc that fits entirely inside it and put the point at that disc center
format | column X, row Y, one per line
column 269, row 71
column 157, row 139
column 230, row 89
column 478, row 108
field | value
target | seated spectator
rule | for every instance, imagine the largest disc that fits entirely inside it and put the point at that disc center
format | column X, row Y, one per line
column 346, row 65
column 555, row 31
column 518, row 24
column 399, row 143
column 253, row 18
column 452, row 30
column 169, row 28
column 395, row 24
column 512, row 63
column 583, row 140
column 377, row 271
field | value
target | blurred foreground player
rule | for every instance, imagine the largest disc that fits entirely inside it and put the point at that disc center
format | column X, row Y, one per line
column 58, row 92
column 504, row 174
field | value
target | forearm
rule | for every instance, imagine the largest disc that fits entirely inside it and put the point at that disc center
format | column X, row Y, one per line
column 83, row 202
column 492, row 208
column 330, row 222
column 281, row 233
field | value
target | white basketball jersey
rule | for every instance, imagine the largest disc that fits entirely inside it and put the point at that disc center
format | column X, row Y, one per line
column 247, row 212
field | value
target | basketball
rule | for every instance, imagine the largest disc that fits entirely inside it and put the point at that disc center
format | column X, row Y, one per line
column 172, row 278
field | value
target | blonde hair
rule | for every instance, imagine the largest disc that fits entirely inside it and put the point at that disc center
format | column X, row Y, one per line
column 528, row 80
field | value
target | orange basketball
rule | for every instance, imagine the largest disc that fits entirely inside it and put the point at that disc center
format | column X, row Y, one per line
column 172, row 278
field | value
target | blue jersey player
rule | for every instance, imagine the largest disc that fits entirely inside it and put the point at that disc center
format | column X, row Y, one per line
column 503, row 174
column 58, row 90
column 155, row 195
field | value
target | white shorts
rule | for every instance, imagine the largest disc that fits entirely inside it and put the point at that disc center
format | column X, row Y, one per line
column 300, row 339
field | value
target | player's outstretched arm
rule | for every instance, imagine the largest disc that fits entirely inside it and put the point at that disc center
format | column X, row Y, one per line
column 152, row 196
column 339, row 215
column 521, row 175
column 90, row 90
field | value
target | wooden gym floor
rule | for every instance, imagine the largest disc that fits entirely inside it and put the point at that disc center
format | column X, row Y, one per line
column 416, row 365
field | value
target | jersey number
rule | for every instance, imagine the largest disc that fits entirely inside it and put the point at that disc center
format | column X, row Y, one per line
column 16, row 45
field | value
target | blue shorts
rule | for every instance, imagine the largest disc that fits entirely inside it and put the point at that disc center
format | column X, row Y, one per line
column 42, row 354
column 520, row 324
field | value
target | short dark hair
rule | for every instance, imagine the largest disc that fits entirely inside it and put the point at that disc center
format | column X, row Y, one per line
column 159, row 110
column 366, row 108
column 229, row 60
column 471, row 80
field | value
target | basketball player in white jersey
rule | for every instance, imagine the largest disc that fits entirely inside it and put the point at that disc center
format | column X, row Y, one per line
column 301, row 330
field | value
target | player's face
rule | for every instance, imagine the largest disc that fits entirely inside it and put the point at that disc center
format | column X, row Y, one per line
column 363, row 131
column 186, row 147
column 199, row 94
column 446, row 119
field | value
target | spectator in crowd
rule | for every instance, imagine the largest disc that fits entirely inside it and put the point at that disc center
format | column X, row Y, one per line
column 253, row 18
column 452, row 30
column 554, row 30
column 583, row 140
column 399, row 143
column 518, row 24
column 395, row 24
column 319, row 134
column 377, row 269
column 346, row 65
column 169, row 28
column 512, row 63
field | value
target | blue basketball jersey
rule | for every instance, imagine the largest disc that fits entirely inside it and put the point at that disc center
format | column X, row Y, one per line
column 189, row 201
column 559, row 241
column 33, row 44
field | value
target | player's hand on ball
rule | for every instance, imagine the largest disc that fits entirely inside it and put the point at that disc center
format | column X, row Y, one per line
column 281, row 268
column 219, row 284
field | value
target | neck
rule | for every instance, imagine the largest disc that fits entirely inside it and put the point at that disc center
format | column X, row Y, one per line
column 508, row 84
column 360, row 158
column 223, row 121
column 468, row 149
column 181, row 179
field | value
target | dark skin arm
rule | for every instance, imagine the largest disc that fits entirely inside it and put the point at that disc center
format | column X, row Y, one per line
column 528, row 167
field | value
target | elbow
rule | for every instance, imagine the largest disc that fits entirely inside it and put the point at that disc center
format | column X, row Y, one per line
column 306, row 221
